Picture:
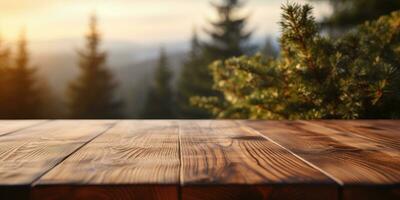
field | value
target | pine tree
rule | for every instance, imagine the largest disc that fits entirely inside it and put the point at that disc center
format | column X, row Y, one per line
column 354, row 76
column 91, row 95
column 227, row 38
column 160, row 101
column 228, row 35
column 4, row 76
column 23, row 97
column 195, row 79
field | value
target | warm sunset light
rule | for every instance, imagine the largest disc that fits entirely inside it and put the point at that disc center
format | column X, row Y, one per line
column 199, row 99
column 132, row 20
column 198, row 59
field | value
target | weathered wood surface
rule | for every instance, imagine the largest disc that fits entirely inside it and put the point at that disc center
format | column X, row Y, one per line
column 353, row 157
column 131, row 153
column 27, row 154
column 10, row 126
column 384, row 135
column 226, row 153
column 199, row 159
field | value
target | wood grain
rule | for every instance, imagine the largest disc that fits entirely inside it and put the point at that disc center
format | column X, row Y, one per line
column 224, row 153
column 380, row 164
column 382, row 135
column 10, row 126
column 27, row 154
column 348, row 158
column 199, row 159
column 131, row 153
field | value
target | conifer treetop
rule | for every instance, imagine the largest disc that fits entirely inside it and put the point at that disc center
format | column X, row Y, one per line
column 315, row 77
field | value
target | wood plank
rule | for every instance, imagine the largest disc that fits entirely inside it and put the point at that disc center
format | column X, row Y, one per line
column 222, row 158
column 10, row 126
column 383, row 135
column 27, row 154
column 380, row 163
column 351, row 160
column 133, row 153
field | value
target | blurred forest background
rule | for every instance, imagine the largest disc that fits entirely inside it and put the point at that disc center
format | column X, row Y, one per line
column 341, row 62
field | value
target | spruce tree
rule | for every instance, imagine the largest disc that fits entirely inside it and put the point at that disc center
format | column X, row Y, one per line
column 228, row 35
column 4, row 76
column 23, row 97
column 227, row 38
column 91, row 95
column 194, row 80
column 354, row 76
column 160, row 98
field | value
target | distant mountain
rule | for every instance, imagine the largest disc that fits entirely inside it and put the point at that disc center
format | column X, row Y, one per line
column 133, row 68
column 136, row 78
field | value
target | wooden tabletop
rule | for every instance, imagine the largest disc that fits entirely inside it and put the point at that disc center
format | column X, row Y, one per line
column 199, row 159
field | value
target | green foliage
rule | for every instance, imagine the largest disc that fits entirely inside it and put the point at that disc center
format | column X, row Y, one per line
column 355, row 76
column 91, row 94
column 348, row 13
column 228, row 35
column 227, row 38
column 22, row 96
column 195, row 79
column 160, row 102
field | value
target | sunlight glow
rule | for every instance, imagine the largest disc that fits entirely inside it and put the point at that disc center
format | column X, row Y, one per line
column 133, row 20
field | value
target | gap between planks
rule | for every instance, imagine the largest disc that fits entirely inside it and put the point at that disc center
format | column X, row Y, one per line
column 34, row 182
column 294, row 154
column 181, row 179
column 181, row 174
column 339, row 182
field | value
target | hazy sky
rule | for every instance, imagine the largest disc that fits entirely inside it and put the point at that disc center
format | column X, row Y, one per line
column 140, row 21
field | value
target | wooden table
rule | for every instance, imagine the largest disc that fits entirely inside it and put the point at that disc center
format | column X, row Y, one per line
column 194, row 160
